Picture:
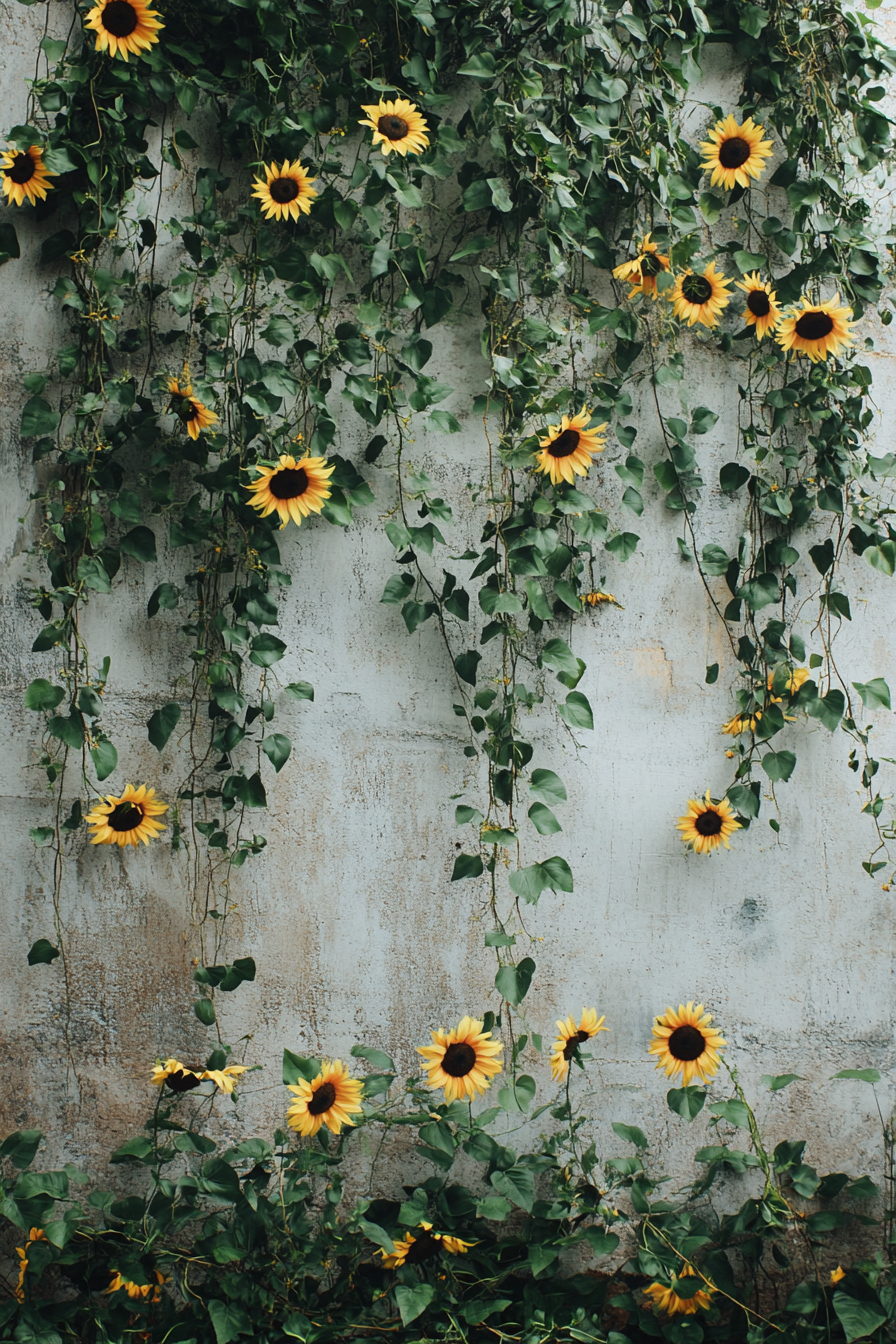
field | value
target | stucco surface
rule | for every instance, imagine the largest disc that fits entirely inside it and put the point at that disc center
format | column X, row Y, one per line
column 357, row 931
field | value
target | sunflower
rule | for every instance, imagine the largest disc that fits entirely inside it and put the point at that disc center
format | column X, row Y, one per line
column 700, row 298
column 570, row 1037
column 762, row 310
column 177, row 1076
column 188, row 409
column 462, row 1060
column 396, row 126
column 138, row 1291
column 742, row 722
column 707, row 825
column 685, row 1041
column 127, row 820
column 596, row 598
column 669, row 1303
column 641, row 272
column 286, row 191
column 226, row 1079
column 36, row 1234
column 293, row 488
column 411, row 1250
column 330, row 1099
column 816, row 329
column 25, row 174
column 123, row 26
column 735, row 153
column 567, row 448
column 797, row 678
column 837, row 1274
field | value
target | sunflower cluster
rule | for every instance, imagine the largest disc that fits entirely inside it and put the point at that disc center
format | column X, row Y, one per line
column 180, row 1077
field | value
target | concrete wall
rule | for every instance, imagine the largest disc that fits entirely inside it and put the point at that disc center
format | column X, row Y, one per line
column 357, row 931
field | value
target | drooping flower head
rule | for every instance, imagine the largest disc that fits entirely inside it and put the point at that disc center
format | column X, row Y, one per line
column 598, row 598
column 462, row 1061
column 707, row 825
column 685, row 1042
column 570, row 1037
column 762, row 310
column 175, row 1075
column 411, row 1250
column 817, row 329
column 330, row 1099
column 397, row 125
column 124, row 26
column 293, row 489
column 25, row 175
column 669, row 1303
column 797, row 677
column 285, row 192
column 127, row 820
column 642, row 270
column 225, row 1079
column 735, row 154
column 567, row 448
column 135, row 1288
column 189, row 409
column 700, row 298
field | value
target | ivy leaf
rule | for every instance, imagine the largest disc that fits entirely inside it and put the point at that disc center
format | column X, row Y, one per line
column 43, row 696
column 779, row 765
column 547, row 787
column 38, row 417
column 553, row 874
column 162, row 724
column 576, row 711
column 92, row 572
column 875, row 692
column 266, row 649
column 412, row 1302
column 277, row 748
column 543, row 819
column 859, row 1319
column 517, row 1185
column 228, row 1320
column 512, row 982
column 140, row 543
column 299, row 690
column 105, row 759
column 21, row 1147
column 467, row 865
column 165, row 597
column 687, row 1102
column 299, row 1066
column 775, row 1082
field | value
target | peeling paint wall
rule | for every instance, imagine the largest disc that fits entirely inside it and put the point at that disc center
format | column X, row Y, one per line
column 350, row 914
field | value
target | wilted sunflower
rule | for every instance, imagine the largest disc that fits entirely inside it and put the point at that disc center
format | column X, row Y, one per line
column 226, row 1079
column 700, row 298
column 411, row 1250
column 36, row 1234
column 147, row 1292
column 175, row 1075
column 570, row 1037
column 762, row 310
column 816, row 329
column 286, row 191
column 463, row 1060
column 597, row 598
column 127, row 820
column 25, row 175
column 189, row 409
column 642, row 270
column 397, row 125
column 735, row 153
column 293, row 488
column 124, row 26
column 797, row 678
column 567, row 448
column 741, row 722
column 330, row 1099
column 669, row 1303
column 685, row 1041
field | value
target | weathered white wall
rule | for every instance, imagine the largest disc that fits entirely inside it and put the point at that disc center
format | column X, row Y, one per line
column 350, row 915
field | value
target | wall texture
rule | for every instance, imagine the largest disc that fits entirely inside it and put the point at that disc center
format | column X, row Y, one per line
column 350, row 914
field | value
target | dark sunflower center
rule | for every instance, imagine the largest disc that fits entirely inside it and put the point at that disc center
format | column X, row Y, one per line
column 119, row 18
column 392, row 127
column 708, row 823
column 184, row 408
column 179, row 1081
column 459, row 1059
column 288, row 483
column 696, row 288
column 322, row 1100
column 565, row 443
column 423, row 1248
column 651, row 264
column 22, row 170
column 574, row 1042
column 814, row 326
column 125, row 817
column 734, row 152
column 283, row 190
column 686, row 1043
column 759, row 303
